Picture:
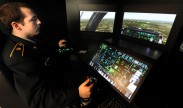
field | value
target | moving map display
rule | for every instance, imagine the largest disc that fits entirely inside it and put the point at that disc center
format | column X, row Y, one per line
column 122, row 70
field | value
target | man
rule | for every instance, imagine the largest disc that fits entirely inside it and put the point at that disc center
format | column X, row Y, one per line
column 29, row 62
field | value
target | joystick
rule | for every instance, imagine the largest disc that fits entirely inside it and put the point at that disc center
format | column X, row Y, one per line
column 91, row 80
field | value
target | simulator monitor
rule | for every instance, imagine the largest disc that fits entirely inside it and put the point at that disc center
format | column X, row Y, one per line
column 97, row 21
column 153, row 27
column 124, row 71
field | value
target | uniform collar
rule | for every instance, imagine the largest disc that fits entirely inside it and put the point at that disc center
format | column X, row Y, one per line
column 21, row 40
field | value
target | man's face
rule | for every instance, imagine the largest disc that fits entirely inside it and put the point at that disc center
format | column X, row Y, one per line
column 31, row 24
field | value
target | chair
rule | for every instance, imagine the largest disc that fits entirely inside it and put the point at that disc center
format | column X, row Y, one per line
column 9, row 98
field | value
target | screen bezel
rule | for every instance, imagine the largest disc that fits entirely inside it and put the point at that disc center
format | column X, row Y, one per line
column 156, row 8
column 149, row 62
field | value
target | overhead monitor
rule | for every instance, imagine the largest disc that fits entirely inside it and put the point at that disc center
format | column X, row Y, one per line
column 97, row 21
column 124, row 71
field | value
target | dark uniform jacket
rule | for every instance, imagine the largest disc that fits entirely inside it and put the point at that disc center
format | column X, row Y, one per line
column 29, row 63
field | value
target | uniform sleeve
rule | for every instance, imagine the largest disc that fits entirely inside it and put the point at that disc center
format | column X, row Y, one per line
column 31, row 84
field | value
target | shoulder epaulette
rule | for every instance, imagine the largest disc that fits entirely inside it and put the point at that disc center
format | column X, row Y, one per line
column 18, row 47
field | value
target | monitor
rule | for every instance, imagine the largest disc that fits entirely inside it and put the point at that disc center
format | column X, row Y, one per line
column 154, row 25
column 97, row 18
column 97, row 21
column 121, row 69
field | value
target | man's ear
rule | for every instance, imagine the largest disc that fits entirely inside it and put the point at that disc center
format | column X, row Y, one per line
column 15, row 25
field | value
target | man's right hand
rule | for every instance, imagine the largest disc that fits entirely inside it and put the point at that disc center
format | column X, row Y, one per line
column 61, row 43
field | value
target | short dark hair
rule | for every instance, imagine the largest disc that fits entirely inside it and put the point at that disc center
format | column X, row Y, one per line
column 10, row 12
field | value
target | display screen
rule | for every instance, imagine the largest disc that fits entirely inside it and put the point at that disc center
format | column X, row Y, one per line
column 153, row 27
column 123, row 71
column 97, row 21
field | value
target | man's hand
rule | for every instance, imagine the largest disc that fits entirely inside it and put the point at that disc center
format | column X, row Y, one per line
column 84, row 90
column 61, row 43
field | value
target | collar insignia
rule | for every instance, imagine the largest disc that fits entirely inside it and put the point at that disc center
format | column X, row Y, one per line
column 18, row 47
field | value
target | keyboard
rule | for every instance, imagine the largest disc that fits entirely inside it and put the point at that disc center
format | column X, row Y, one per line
column 112, row 102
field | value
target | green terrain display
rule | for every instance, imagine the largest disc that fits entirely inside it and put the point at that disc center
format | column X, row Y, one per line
column 106, row 25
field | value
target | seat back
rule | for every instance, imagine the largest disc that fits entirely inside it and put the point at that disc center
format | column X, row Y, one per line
column 9, row 98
